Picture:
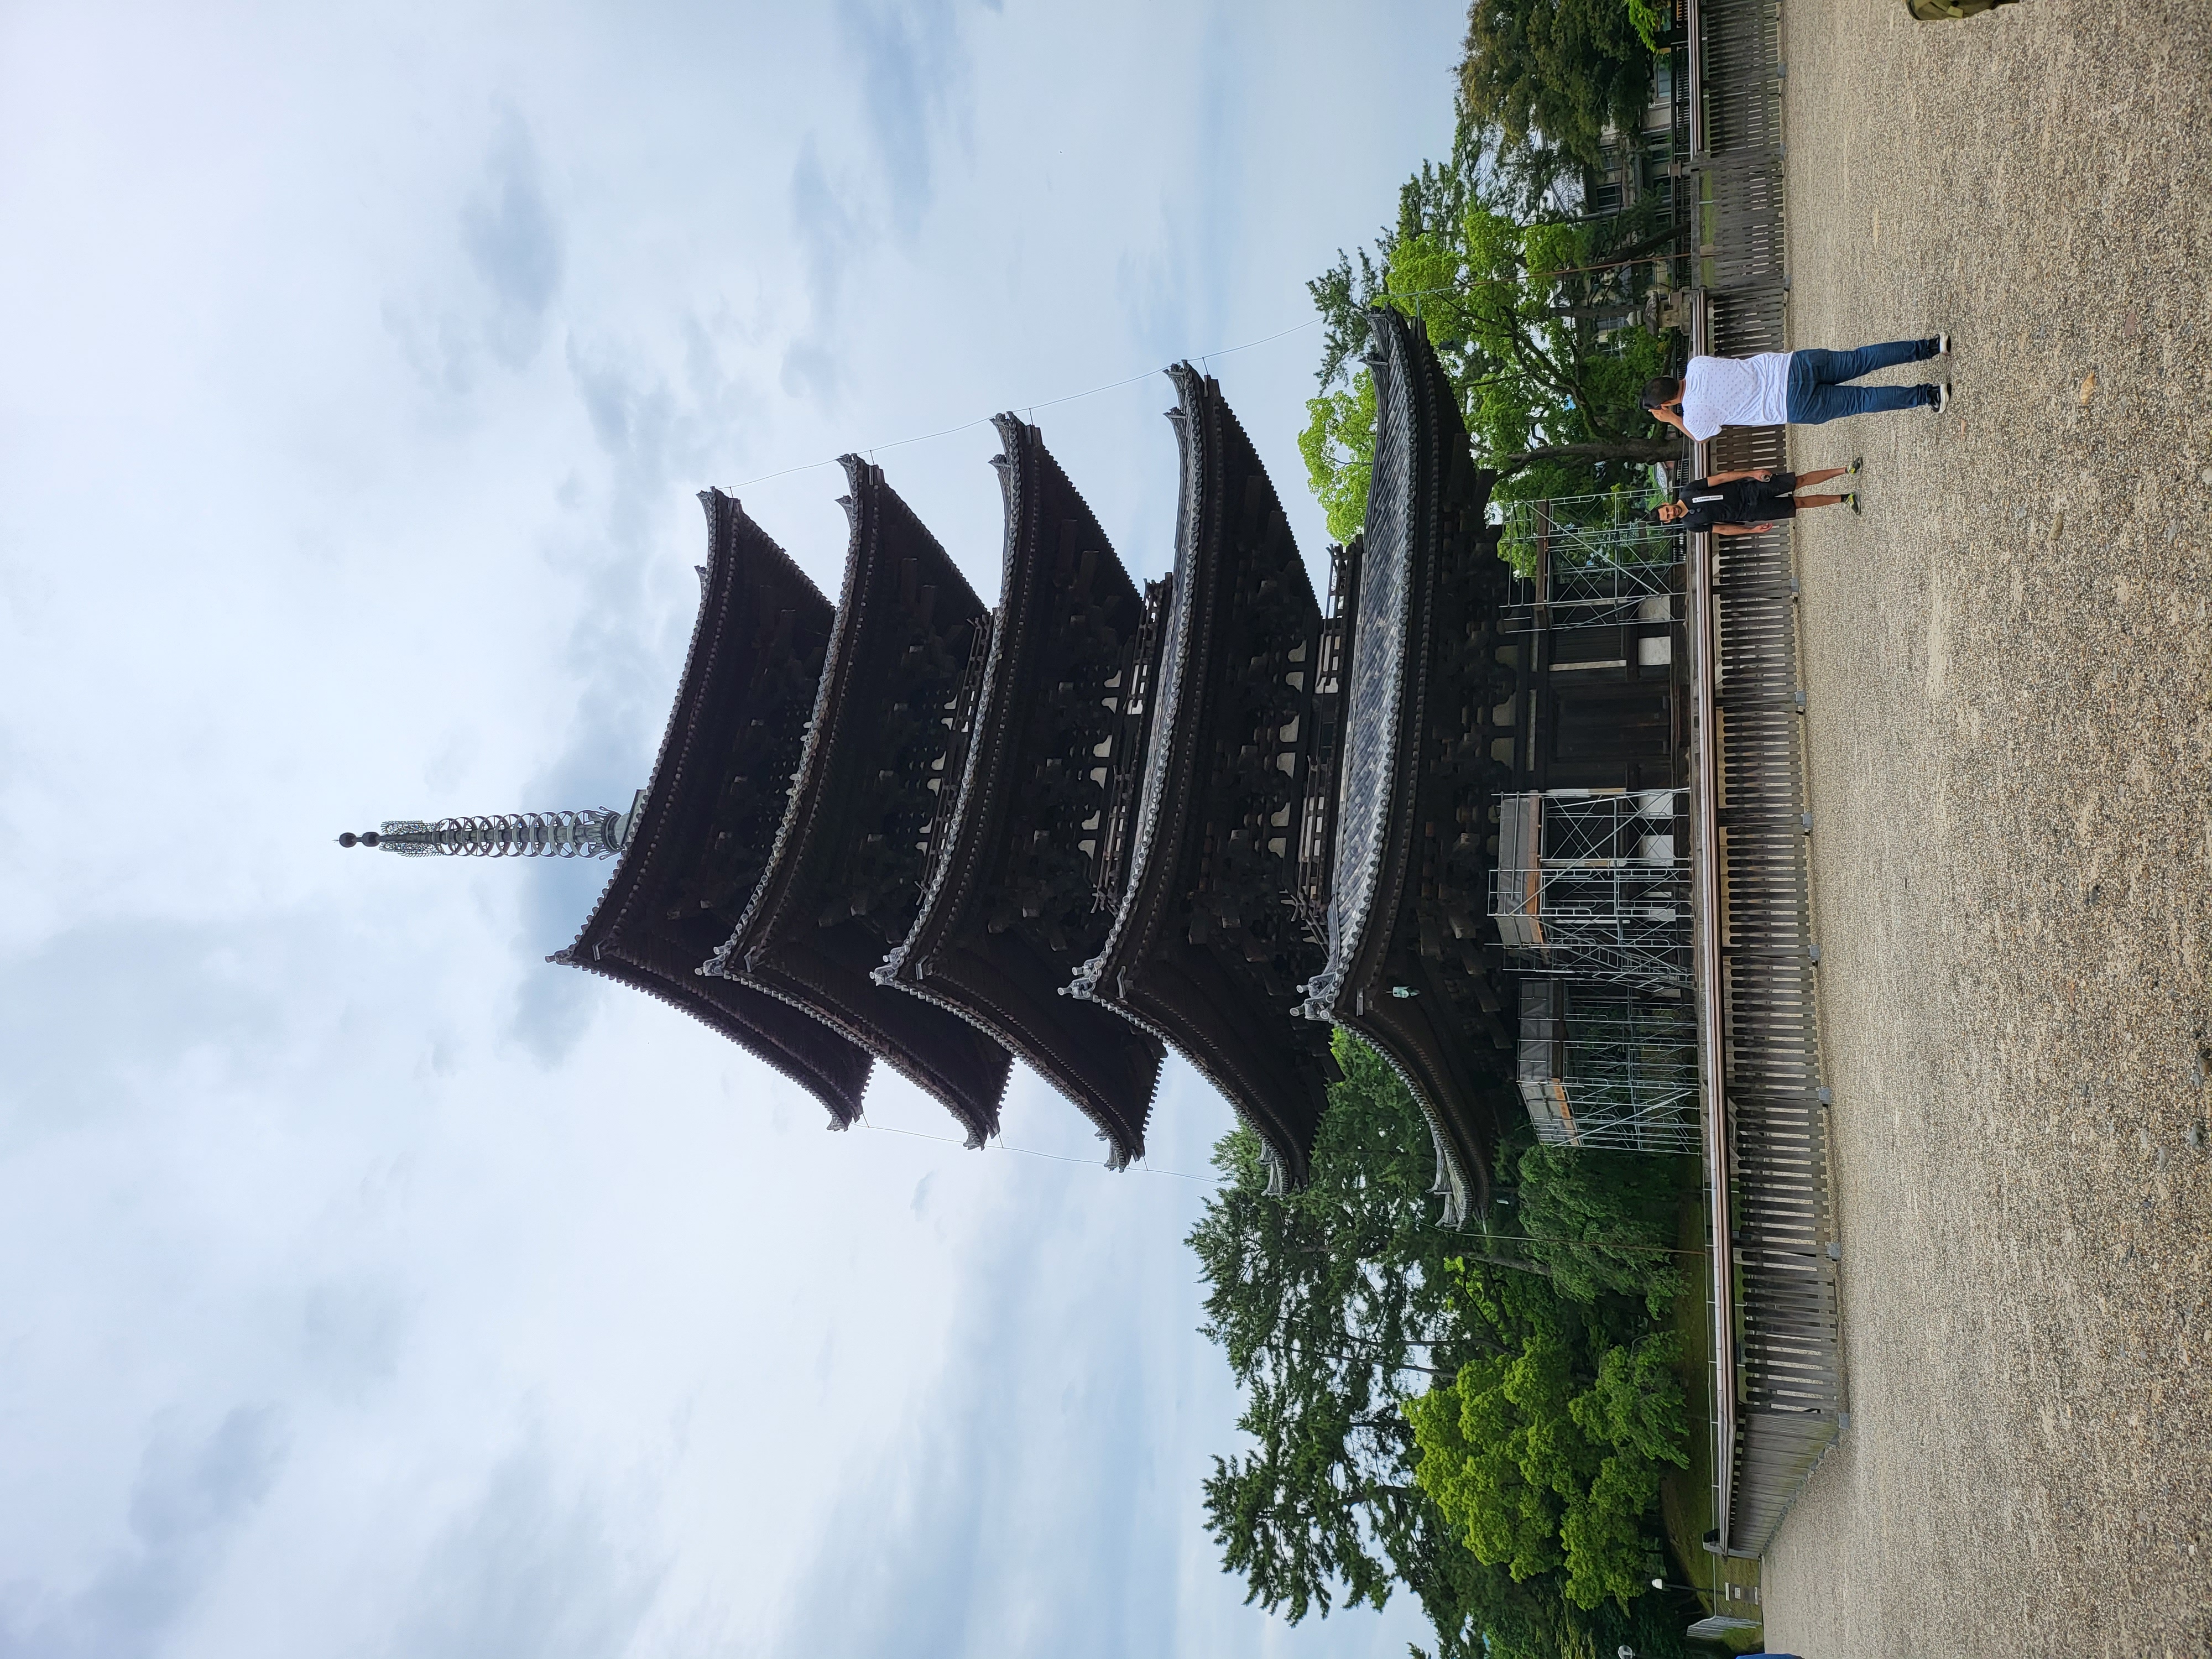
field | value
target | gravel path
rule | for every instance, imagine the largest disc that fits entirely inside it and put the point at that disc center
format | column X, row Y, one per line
column 2009, row 661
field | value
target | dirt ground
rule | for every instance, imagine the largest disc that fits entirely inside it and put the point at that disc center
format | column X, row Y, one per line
column 2008, row 664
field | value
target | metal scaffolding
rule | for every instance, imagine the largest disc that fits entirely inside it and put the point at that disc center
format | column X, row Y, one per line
column 1602, row 1065
column 1593, row 883
column 1587, row 562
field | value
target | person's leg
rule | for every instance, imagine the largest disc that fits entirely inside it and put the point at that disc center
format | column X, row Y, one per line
column 1804, row 501
column 1830, row 366
column 1821, row 476
column 1820, row 403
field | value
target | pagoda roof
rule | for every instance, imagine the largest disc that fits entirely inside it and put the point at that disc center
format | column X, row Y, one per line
column 1010, row 910
column 1408, row 965
column 702, row 825
column 843, row 878
column 1206, row 948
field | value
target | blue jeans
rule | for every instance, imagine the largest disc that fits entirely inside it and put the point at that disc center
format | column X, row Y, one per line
column 1817, row 393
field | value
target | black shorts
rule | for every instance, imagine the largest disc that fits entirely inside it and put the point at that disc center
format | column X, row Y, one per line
column 1746, row 501
column 1771, row 498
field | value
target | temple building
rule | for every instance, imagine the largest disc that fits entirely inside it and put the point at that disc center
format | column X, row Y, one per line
column 842, row 880
column 1018, row 893
column 695, row 844
column 1208, row 945
column 1100, row 821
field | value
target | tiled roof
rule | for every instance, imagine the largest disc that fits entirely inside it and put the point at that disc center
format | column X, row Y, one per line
column 760, row 624
column 1206, row 946
column 1408, row 964
column 1008, row 910
column 843, row 878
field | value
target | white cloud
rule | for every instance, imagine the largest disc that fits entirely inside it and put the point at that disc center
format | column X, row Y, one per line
column 365, row 1282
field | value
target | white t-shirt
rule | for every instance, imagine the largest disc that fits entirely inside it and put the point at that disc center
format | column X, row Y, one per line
column 1718, row 392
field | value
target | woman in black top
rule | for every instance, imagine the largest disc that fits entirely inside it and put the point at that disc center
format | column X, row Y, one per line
column 1740, row 503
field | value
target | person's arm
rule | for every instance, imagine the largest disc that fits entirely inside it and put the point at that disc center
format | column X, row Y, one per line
column 1742, row 529
column 1670, row 418
column 1731, row 478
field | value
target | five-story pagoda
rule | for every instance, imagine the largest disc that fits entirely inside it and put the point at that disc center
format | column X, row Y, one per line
column 1096, row 822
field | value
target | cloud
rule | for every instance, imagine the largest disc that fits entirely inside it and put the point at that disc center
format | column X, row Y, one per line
column 187, row 1504
column 913, row 79
column 912, row 71
column 165, row 990
column 1003, row 1524
column 529, row 1572
column 656, row 430
column 350, row 1335
column 828, row 236
column 514, row 244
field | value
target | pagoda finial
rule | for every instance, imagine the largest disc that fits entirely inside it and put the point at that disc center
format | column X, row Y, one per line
column 595, row 833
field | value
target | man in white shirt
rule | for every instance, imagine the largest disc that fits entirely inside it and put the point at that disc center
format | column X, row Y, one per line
column 1799, row 388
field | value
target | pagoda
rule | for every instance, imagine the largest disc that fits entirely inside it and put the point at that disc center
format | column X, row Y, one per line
column 842, row 881
column 1100, row 821
column 1015, row 894
column 1208, row 942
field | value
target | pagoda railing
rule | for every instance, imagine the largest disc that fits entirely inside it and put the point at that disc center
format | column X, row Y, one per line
column 1117, row 821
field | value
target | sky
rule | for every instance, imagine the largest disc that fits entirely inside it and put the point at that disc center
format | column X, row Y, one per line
column 368, row 1286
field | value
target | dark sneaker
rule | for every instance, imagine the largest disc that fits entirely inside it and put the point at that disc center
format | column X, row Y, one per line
column 1852, row 470
column 1942, row 345
column 1942, row 397
column 1851, row 500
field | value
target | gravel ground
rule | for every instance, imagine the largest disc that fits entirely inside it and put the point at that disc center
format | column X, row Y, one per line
column 2008, row 663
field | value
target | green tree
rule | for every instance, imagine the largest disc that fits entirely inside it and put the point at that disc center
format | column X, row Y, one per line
column 1337, row 446
column 1604, row 1221
column 1322, row 1300
column 1541, row 1461
column 1335, row 1306
column 1558, row 72
column 1536, row 317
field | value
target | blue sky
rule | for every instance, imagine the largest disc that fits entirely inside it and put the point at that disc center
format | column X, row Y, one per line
column 368, row 1286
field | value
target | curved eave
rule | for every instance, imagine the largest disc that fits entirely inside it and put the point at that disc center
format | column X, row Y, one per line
column 1374, row 820
column 1419, row 1036
column 964, row 1069
column 1164, row 799
column 1064, row 1040
column 980, row 809
column 715, row 668
column 795, row 837
column 1133, row 972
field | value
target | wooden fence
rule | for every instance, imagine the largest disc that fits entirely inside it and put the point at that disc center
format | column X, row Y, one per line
column 1776, row 1346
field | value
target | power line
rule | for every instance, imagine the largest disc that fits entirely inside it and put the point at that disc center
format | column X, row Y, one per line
column 984, row 419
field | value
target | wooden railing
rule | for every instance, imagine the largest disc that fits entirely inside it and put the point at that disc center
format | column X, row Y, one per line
column 1777, row 1373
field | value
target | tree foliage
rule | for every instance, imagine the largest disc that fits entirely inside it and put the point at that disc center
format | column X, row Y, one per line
column 1339, row 1307
column 1536, row 316
column 1603, row 1220
column 1557, row 71
column 1322, row 1301
column 1540, row 1460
